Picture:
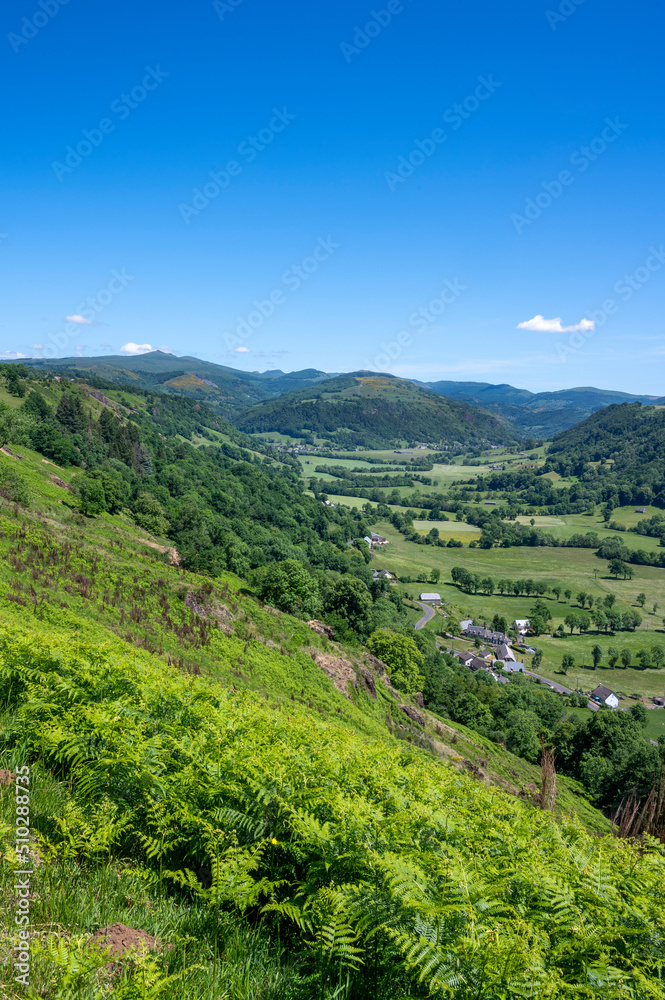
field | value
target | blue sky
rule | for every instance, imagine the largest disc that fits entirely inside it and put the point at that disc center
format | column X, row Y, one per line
column 339, row 185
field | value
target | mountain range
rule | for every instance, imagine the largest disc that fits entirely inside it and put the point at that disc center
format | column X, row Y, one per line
column 234, row 393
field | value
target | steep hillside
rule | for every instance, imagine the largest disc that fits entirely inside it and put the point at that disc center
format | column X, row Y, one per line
column 224, row 389
column 364, row 409
column 621, row 444
column 542, row 414
column 261, row 803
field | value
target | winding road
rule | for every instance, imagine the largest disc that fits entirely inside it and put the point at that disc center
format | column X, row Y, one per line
column 427, row 617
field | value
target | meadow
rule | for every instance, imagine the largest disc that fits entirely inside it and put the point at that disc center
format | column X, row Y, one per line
column 570, row 568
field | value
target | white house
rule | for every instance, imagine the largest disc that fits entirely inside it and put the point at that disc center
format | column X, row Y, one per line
column 604, row 696
column 431, row 598
column 465, row 624
column 522, row 625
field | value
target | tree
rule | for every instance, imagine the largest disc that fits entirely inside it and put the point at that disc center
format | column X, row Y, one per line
column 572, row 621
column 288, row 586
column 567, row 594
column 658, row 656
column 597, row 655
column 609, row 600
column 581, row 598
column 641, row 599
column 644, row 659
column 655, row 607
column 537, row 659
column 14, row 385
column 567, row 663
column 613, row 656
column 90, row 493
column 617, row 567
column 350, row 600
column 584, row 622
column 14, row 426
column 557, row 592
column 402, row 657
column 435, row 576
column 639, row 713
column 626, row 657
column 70, row 413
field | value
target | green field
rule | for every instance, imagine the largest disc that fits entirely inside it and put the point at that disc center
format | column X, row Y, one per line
column 459, row 530
column 577, row 569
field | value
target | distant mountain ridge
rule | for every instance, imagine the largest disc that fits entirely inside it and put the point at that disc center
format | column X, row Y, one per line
column 227, row 390
column 538, row 414
column 231, row 391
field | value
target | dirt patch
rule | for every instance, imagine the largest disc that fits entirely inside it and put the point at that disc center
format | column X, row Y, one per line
column 7, row 778
column 60, row 482
column 210, row 611
column 321, row 629
column 121, row 941
column 339, row 670
column 174, row 555
column 8, row 451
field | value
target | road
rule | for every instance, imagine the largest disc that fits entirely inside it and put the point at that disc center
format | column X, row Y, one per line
column 555, row 687
column 594, row 706
column 427, row 617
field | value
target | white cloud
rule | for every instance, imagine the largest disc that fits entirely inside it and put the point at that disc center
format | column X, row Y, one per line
column 132, row 348
column 165, row 349
column 242, row 350
column 12, row 355
column 81, row 320
column 541, row 325
column 36, row 347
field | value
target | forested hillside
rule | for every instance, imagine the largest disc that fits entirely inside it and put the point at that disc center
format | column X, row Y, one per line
column 376, row 411
column 621, row 444
column 536, row 414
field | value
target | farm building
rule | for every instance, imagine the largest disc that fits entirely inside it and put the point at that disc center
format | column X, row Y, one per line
column 604, row 696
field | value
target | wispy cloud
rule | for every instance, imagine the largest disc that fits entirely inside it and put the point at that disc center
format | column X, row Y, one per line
column 36, row 347
column 81, row 320
column 12, row 355
column 242, row 350
column 541, row 325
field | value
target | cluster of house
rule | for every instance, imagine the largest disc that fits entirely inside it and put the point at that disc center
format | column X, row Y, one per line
column 374, row 540
column 382, row 574
column 500, row 657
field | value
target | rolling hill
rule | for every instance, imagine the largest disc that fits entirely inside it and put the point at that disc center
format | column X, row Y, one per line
column 224, row 389
column 369, row 410
column 624, row 442
column 539, row 414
